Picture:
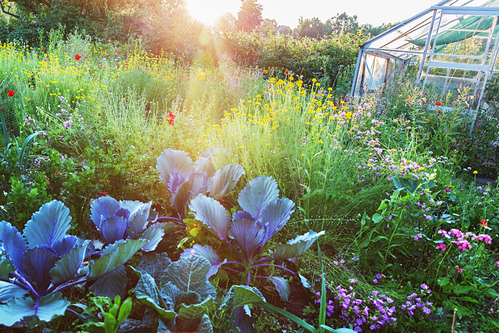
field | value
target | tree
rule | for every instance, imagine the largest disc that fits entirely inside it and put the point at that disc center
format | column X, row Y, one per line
column 226, row 23
column 312, row 28
column 342, row 23
column 250, row 15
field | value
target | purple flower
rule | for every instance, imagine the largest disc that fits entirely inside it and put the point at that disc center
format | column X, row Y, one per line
column 375, row 281
column 426, row 310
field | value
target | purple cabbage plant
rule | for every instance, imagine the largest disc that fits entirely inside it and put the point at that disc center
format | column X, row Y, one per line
column 121, row 220
column 185, row 179
column 263, row 215
column 36, row 266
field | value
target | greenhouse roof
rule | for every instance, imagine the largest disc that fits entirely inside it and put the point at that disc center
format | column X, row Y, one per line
column 460, row 19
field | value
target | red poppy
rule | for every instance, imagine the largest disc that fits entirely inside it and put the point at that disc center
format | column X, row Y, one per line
column 286, row 71
column 439, row 111
column 43, row 48
column 80, row 160
column 11, row 93
column 77, row 57
column 152, row 148
column 438, row 103
column 483, row 222
column 171, row 118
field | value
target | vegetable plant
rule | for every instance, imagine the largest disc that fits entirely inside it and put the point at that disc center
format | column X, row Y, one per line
column 120, row 220
column 114, row 314
column 263, row 215
column 44, row 261
column 184, row 179
column 183, row 299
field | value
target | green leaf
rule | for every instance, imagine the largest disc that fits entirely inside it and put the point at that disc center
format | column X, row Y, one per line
column 460, row 290
column 49, row 225
column 147, row 292
column 189, row 316
column 111, row 284
column 68, row 265
column 115, row 255
column 189, row 274
column 125, row 310
column 377, row 218
column 154, row 264
column 245, row 295
column 10, row 290
column 109, row 323
column 490, row 292
column 44, row 309
column 443, row 281
column 297, row 246
column 468, row 299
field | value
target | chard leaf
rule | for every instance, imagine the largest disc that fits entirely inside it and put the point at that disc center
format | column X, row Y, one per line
column 154, row 264
column 115, row 227
column 66, row 268
column 189, row 274
column 115, row 255
column 196, row 184
column 65, row 245
column 282, row 287
column 297, row 246
column 204, row 164
column 111, row 284
column 224, row 180
column 212, row 213
column 45, row 309
column 13, row 244
column 10, row 290
column 205, row 252
column 171, row 161
column 276, row 214
column 190, row 317
column 103, row 208
column 49, row 225
column 37, row 264
column 154, row 235
column 257, row 194
column 139, row 213
column 147, row 292
column 250, row 235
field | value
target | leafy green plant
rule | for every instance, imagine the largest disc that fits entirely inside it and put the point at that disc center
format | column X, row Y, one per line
column 263, row 216
column 114, row 314
column 45, row 261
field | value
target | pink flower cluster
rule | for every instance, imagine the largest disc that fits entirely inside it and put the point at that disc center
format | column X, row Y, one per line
column 462, row 239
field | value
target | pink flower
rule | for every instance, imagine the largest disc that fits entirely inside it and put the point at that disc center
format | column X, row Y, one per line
column 447, row 189
column 441, row 246
column 497, row 263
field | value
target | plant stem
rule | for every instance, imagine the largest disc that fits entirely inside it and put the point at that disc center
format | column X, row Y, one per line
column 272, row 265
column 25, row 284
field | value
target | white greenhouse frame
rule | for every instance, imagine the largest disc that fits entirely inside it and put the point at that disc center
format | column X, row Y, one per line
column 386, row 56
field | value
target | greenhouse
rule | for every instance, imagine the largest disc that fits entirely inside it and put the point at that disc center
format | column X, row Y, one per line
column 448, row 46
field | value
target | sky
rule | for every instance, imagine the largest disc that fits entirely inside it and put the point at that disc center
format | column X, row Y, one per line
column 288, row 12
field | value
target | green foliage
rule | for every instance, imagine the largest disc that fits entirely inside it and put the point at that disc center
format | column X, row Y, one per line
column 114, row 314
column 249, row 16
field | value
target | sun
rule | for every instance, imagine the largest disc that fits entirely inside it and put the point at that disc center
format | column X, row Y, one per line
column 208, row 12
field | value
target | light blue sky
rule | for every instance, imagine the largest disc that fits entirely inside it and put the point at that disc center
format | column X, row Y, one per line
column 287, row 12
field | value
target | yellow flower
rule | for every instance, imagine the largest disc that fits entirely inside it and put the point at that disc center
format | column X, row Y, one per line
column 314, row 80
column 475, row 172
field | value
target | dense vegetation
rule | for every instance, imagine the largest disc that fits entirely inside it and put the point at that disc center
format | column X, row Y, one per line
column 124, row 172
